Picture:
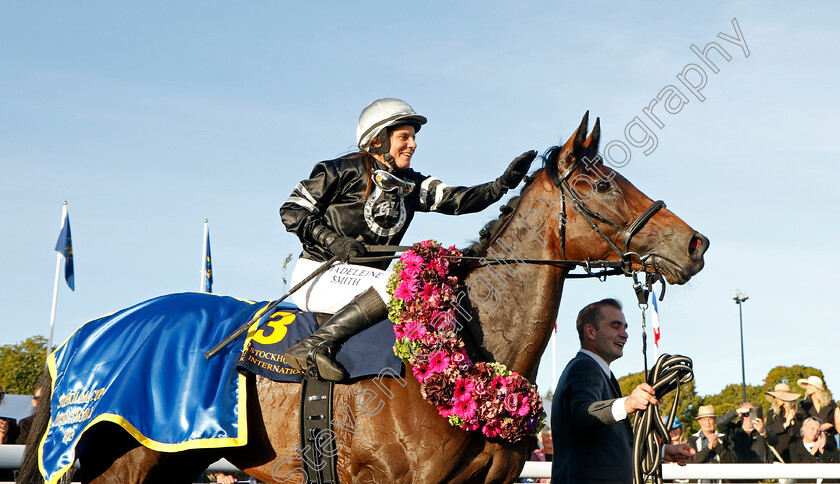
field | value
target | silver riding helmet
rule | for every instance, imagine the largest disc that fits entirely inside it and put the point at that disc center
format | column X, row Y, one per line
column 380, row 115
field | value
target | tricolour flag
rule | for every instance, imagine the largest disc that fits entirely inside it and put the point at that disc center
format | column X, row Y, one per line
column 208, row 265
column 64, row 246
column 655, row 320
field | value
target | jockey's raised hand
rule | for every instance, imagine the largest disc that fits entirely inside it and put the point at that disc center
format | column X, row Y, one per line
column 516, row 171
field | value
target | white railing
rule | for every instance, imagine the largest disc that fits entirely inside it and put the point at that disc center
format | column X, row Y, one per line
column 12, row 455
column 721, row 471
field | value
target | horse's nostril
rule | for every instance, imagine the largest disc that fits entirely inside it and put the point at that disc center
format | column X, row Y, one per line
column 695, row 244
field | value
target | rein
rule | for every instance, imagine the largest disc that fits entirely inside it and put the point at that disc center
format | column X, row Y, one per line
column 610, row 267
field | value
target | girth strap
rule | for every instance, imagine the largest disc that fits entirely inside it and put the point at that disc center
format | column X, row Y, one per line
column 316, row 437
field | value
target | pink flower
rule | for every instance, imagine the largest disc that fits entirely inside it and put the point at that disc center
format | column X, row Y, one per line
column 428, row 291
column 431, row 340
column 479, row 388
column 414, row 330
column 524, row 410
column 491, row 429
column 470, row 425
column 405, row 290
column 464, row 389
column 444, row 322
column 410, row 258
column 464, row 408
column 421, row 372
column 498, row 384
column 511, row 403
column 410, row 272
column 441, row 266
column 446, row 410
column 439, row 362
column 446, row 293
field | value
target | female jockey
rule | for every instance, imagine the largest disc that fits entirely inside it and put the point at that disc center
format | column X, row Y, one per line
column 367, row 198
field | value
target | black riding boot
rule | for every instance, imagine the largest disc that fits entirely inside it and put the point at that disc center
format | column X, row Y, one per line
column 362, row 312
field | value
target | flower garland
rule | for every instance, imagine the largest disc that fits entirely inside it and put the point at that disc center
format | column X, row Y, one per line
column 473, row 396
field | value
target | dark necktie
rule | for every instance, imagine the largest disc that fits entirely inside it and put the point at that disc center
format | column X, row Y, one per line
column 615, row 386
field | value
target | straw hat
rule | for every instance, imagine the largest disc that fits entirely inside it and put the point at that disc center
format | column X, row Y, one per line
column 812, row 380
column 782, row 391
column 706, row 411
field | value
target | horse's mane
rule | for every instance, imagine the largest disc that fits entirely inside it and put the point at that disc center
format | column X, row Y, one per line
column 489, row 231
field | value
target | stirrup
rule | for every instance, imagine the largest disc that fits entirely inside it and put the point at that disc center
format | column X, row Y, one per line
column 313, row 370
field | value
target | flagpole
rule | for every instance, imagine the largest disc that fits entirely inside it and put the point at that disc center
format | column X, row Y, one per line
column 656, row 329
column 55, row 286
column 554, row 358
column 204, row 257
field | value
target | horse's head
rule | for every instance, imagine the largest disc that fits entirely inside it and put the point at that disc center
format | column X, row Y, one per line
column 610, row 218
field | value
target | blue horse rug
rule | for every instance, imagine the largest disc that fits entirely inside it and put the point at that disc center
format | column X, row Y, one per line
column 143, row 368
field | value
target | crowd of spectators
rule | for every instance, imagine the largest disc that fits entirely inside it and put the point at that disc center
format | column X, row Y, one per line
column 794, row 431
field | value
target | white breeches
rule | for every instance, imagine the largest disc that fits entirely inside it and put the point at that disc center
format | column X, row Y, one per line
column 333, row 289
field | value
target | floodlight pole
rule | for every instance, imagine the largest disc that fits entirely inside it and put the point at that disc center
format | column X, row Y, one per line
column 739, row 298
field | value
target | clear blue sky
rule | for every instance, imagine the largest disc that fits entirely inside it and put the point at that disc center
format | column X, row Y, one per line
column 150, row 117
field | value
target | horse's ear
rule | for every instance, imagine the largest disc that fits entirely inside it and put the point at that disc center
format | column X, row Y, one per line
column 580, row 134
column 595, row 136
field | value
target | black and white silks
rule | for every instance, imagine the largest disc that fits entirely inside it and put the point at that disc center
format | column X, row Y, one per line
column 331, row 203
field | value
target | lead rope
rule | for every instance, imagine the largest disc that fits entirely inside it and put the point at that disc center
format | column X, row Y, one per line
column 642, row 293
column 668, row 373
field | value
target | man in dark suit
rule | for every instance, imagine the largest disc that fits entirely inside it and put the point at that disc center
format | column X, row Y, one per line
column 593, row 438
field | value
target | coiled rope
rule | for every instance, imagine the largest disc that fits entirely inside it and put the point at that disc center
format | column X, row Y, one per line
column 649, row 432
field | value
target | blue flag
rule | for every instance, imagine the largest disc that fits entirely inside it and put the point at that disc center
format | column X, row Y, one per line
column 208, row 267
column 64, row 246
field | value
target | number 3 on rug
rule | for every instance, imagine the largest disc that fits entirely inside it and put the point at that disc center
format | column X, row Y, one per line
column 277, row 322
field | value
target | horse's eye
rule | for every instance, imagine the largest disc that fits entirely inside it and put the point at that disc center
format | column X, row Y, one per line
column 603, row 186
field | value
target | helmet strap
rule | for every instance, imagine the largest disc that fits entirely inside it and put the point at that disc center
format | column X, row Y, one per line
column 384, row 148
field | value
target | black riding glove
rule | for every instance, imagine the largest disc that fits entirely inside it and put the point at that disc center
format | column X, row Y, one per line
column 516, row 171
column 346, row 247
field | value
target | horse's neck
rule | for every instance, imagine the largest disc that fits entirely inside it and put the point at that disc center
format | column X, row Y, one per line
column 517, row 303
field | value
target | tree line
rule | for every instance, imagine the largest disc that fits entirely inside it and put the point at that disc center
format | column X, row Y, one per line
column 21, row 365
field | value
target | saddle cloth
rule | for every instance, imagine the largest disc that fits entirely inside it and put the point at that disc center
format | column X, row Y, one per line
column 143, row 368
column 363, row 355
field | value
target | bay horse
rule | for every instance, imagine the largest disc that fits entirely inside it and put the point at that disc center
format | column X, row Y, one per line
column 573, row 208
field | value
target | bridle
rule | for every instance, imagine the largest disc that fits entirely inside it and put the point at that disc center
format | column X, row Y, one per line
column 561, row 181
